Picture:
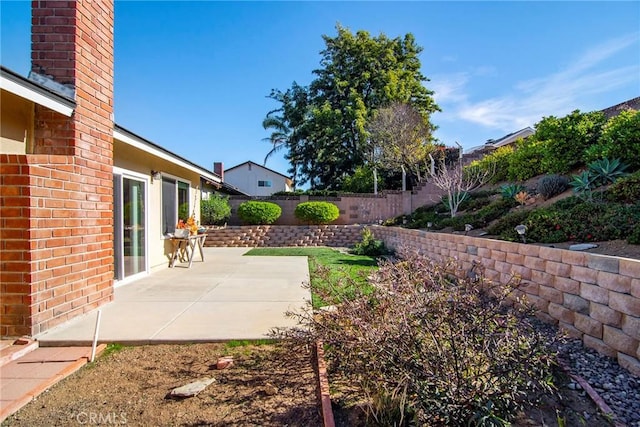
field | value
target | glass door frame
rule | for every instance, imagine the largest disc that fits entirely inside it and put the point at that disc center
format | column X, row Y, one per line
column 118, row 222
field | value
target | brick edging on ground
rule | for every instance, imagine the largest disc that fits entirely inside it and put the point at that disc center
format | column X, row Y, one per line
column 593, row 297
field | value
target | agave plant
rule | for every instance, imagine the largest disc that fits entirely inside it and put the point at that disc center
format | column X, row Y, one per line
column 583, row 185
column 607, row 171
column 509, row 191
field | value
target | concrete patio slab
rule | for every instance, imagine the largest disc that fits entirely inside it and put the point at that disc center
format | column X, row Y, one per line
column 229, row 296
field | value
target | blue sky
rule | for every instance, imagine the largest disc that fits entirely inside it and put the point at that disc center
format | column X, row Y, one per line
column 194, row 76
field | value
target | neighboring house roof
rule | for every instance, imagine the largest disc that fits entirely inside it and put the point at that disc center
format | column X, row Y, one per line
column 632, row 104
column 257, row 165
column 41, row 95
column 492, row 144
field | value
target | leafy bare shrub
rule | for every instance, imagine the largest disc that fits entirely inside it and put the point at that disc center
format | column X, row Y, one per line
column 425, row 348
column 552, row 185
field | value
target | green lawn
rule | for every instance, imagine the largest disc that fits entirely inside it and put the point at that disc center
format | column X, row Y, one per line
column 333, row 273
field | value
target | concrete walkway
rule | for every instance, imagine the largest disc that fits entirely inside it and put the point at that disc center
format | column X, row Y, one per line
column 229, row 296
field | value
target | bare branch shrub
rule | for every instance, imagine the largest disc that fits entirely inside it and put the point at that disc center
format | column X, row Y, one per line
column 428, row 348
column 456, row 181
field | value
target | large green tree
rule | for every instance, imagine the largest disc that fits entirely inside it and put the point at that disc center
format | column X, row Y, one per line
column 326, row 133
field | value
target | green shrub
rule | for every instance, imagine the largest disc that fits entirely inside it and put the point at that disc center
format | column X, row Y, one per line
column 634, row 237
column 317, row 212
column 256, row 212
column 567, row 139
column 620, row 138
column 582, row 221
column 215, row 210
column 552, row 185
column 369, row 246
column 526, row 160
column 498, row 161
column 625, row 190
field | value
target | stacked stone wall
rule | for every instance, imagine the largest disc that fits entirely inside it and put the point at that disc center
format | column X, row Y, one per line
column 284, row 235
column 593, row 297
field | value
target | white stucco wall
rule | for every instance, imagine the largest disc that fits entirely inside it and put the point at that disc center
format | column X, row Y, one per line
column 246, row 177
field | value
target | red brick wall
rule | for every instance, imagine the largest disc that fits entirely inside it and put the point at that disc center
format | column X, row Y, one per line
column 57, row 201
column 592, row 297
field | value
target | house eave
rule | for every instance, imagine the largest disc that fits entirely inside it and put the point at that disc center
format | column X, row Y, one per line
column 18, row 85
column 136, row 141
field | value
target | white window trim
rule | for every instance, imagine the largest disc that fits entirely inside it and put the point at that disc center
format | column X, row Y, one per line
column 177, row 179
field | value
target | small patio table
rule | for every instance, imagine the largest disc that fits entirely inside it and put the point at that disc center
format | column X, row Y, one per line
column 185, row 248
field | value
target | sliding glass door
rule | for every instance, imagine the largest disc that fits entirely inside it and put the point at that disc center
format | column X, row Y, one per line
column 130, row 243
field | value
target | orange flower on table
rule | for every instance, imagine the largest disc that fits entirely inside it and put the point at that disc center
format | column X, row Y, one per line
column 190, row 224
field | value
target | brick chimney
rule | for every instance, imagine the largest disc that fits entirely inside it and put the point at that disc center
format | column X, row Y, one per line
column 218, row 169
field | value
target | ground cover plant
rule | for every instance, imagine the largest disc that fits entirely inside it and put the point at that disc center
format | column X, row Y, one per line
column 425, row 348
column 335, row 275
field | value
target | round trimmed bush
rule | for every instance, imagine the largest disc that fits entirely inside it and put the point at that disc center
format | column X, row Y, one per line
column 317, row 212
column 255, row 212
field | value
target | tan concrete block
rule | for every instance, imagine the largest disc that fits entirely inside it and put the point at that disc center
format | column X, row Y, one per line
column 594, row 293
column 529, row 288
column 588, row 325
column 540, row 303
column 503, row 267
column 565, row 284
column 603, row 263
column 535, row 263
column 629, row 363
column 515, row 258
column 509, row 247
column 575, row 303
column 558, row 269
column 498, row 255
column 599, row 346
column 635, row 287
column 562, row 314
column 584, row 274
column 523, row 272
column 529, row 250
column 624, row 303
column 550, row 294
column 630, row 267
column 631, row 326
column 551, row 254
column 484, row 253
column 605, row 314
column 574, row 258
column 541, row 277
column 618, row 340
column 614, row 282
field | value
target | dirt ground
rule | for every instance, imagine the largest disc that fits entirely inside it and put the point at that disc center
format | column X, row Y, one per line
column 266, row 386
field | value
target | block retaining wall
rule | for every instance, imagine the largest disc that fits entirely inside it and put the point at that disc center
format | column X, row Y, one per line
column 284, row 235
column 593, row 297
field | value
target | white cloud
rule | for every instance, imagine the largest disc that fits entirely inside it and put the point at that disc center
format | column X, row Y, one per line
column 449, row 88
column 530, row 100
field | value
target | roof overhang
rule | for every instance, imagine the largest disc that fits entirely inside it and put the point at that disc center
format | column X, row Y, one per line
column 140, row 143
column 33, row 92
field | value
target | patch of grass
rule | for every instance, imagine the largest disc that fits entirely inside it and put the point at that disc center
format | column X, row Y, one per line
column 340, row 273
column 246, row 343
